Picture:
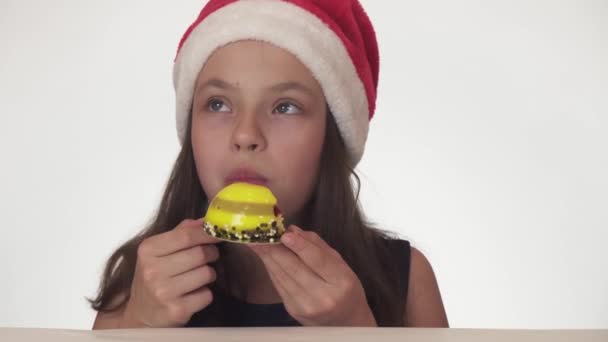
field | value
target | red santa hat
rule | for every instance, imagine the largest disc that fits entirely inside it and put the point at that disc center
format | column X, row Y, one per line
column 333, row 38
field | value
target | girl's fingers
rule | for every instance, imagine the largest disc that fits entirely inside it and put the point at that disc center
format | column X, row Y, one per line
column 192, row 280
column 278, row 284
column 197, row 300
column 188, row 259
column 321, row 260
column 289, row 272
column 294, row 268
column 290, row 291
column 188, row 233
column 307, row 234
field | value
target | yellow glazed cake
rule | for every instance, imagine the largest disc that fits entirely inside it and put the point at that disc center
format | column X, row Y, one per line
column 246, row 213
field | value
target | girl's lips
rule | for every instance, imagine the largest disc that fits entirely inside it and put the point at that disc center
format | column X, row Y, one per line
column 257, row 181
column 246, row 175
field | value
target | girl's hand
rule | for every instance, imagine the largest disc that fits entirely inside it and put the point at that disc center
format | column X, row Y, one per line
column 171, row 275
column 315, row 283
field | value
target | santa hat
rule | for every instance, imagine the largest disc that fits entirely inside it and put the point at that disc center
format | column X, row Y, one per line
column 334, row 39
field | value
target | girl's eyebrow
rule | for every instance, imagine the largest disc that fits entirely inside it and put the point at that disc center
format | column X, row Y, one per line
column 291, row 85
column 277, row 88
column 215, row 83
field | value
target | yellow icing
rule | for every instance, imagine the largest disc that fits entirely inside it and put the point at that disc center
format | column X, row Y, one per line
column 243, row 206
column 247, row 193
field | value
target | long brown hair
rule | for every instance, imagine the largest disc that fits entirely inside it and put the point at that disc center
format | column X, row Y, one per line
column 333, row 212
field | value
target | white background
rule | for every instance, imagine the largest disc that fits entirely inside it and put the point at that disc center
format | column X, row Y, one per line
column 488, row 151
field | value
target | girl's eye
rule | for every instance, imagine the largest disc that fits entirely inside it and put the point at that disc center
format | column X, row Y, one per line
column 287, row 108
column 216, row 105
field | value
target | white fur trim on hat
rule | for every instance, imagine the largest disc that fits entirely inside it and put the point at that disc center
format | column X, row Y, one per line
column 294, row 29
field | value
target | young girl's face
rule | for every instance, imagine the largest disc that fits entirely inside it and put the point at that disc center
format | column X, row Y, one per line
column 259, row 116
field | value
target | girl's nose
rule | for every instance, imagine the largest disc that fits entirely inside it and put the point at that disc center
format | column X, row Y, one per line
column 247, row 135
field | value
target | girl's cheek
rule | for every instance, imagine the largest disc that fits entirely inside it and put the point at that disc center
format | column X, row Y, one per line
column 212, row 133
column 212, row 121
column 210, row 136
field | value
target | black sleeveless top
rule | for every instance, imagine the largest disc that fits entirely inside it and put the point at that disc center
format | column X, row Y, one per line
column 238, row 313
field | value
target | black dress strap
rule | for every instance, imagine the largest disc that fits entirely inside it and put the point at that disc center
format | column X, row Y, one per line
column 404, row 259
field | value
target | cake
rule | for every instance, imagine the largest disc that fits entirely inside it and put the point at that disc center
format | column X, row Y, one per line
column 245, row 213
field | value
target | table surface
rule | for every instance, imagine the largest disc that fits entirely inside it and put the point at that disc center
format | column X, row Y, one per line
column 301, row 334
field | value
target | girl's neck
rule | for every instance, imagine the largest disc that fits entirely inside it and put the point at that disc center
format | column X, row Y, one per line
column 249, row 280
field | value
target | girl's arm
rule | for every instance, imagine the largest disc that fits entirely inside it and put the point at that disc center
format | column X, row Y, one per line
column 424, row 306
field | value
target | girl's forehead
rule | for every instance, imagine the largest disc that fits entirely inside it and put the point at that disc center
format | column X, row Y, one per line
column 252, row 52
column 256, row 62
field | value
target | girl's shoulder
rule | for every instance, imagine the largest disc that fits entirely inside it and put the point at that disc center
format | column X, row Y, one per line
column 424, row 305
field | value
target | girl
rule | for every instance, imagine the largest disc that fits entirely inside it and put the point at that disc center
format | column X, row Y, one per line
column 278, row 93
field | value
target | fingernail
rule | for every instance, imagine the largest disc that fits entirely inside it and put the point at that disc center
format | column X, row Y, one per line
column 295, row 228
column 288, row 239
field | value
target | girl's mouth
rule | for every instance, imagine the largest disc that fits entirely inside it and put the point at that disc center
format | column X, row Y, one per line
column 246, row 175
